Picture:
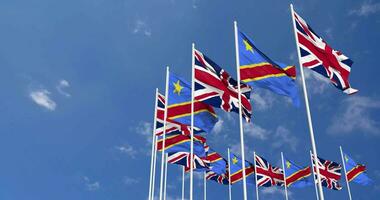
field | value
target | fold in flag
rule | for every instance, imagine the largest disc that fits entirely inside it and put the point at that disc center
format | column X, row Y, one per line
column 171, row 125
column 296, row 176
column 219, row 178
column 329, row 172
column 218, row 171
column 214, row 86
column 179, row 106
column 184, row 159
column 317, row 55
column 356, row 172
column 256, row 69
column 237, row 170
column 181, row 143
column 268, row 175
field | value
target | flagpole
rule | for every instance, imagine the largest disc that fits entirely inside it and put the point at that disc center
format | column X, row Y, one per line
column 345, row 173
column 154, row 167
column 183, row 182
column 153, row 147
column 166, row 174
column 283, row 167
column 240, row 111
column 204, row 186
column 254, row 165
column 192, row 121
column 312, row 169
column 164, row 133
column 314, row 148
column 229, row 175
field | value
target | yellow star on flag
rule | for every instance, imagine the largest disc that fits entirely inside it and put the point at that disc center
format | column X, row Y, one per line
column 177, row 88
column 248, row 47
column 288, row 164
column 234, row 160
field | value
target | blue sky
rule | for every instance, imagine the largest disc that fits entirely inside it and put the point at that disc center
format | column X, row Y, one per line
column 78, row 80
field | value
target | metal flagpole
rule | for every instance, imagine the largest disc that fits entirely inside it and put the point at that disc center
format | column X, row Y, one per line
column 229, row 175
column 192, row 121
column 204, row 186
column 345, row 173
column 283, row 167
column 166, row 174
column 153, row 147
column 183, row 183
column 254, row 165
column 314, row 148
column 240, row 111
column 312, row 169
column 164, row 132
column 154, row 167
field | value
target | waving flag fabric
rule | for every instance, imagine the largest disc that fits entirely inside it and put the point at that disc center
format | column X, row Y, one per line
column 256, row 69
column 179, row 106
column 329, row 172
column 237, row 170
column 297, row 176
column 184, row 159
column 171, row 125
column 217, row 162
column 317, row 55
column 214, row 86
column 219, row 178
column 356, row 172
column 267, row 175
column 178, row 142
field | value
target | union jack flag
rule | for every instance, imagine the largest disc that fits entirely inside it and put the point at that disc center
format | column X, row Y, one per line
column 317, row 55
column 184, row 159
column 268, row 175
column 214, row 86
column 219, row 178
column 329, row 172
column 171, row 125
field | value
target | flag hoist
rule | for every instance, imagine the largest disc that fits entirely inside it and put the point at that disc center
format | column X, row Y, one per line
column 240, row 110
column 164, row 133
column 345, row 173
column 283, row 167
column 229, row 175
column 310, row 123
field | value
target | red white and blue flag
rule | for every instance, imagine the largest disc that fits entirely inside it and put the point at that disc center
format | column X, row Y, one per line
column 214, row 86
column 184, row 158
column 317, row 55
column 171, row 125
column 268, row 175
column 329, row 172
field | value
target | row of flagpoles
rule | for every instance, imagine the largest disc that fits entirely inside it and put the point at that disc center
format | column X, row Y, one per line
column 330, row 63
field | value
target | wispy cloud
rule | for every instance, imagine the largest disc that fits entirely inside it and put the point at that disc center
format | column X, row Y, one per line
column 61, row 86
column 145, row 129
column 283, row 137
column 355, row 115
column 256, row 131
column 127, row 149
column 141, row 27
column 317, row 83
column 274, row 191
column 130, row 180
column 366, row 8
column 263, row 99
column 91, row 186
column 218, row 127
column 41, row 97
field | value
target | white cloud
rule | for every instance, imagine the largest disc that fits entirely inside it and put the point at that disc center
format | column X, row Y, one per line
column 127, row 149
column 145, row 129
column 274, row 190
column 283, row 137
column 141, row 27
column 355, row 114
column 130, row 181
column 61, row 86
column 263, row 99
column 91, row 186
column 366, row 8
column 255, row 131
column 218, row 127
column 41, row 98
column 315, row 82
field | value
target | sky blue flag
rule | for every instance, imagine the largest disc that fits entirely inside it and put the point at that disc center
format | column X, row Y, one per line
column 237, row 172
column 179, row 106
column 356, row 172
column 296, row 176
column 176, row 142
column 217, row 163
column 258, row 70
